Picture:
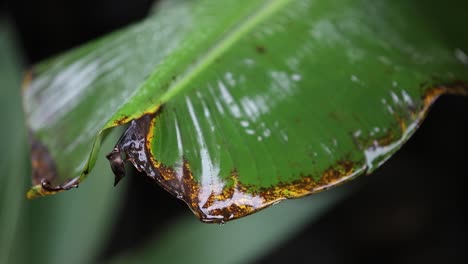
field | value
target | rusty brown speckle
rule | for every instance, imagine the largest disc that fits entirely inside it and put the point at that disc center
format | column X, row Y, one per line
column 260, row 49
column 233, row 200
column 122, row 120
column 455, row 88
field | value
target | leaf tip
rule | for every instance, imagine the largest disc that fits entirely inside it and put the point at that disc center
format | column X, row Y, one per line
column 117, row 164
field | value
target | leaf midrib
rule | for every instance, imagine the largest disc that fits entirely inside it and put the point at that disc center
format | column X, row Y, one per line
column 264, row 10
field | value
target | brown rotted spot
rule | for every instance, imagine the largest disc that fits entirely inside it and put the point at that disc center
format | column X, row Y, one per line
column 431, row 94
column 233, row 199
column 122, row 120
column 43, row 166
column 388, row 138
column 260, row 49
column 44, row 171
column 72, row 183
column 334, row 115
column 117, row 164
column 211, row 203
column 334, row 174
column 364, row 142
column 306, row 185
column 132, row 147
column 455, row 88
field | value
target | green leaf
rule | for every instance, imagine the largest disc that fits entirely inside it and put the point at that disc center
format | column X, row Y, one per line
column 241, row 104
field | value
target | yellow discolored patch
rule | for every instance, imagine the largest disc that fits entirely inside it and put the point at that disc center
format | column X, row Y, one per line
column 220, row 203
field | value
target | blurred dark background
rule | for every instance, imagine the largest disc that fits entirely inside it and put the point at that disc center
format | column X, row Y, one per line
column 410, row 211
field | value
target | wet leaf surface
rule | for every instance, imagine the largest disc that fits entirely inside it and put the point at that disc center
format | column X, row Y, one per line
column 234, row 106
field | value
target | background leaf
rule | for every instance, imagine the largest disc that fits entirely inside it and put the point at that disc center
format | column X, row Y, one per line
column 242, row 241
column 14, row 179
column 69, row 229
column 403, row 189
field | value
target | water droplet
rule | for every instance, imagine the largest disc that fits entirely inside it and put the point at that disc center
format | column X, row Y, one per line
column 277, row 202
column 357, row 133
column 296, row 77
column 461, row 56
column 244, row 123
column 250, row 131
